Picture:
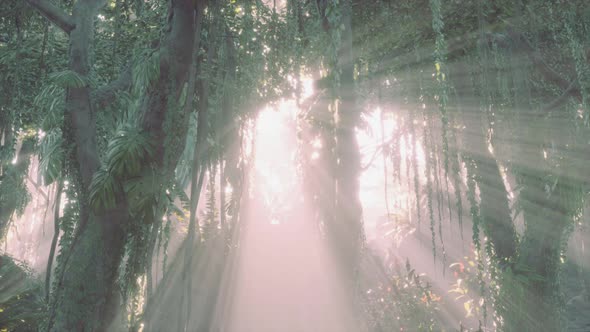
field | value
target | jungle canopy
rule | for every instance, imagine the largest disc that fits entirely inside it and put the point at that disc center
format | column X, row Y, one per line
column 294, row 165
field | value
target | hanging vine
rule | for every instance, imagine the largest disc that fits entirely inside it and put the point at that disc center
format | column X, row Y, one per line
column 440, row 51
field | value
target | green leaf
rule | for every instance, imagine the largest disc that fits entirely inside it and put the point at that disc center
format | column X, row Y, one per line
column 68, row 79
column 103, row 190
column 51, row 156
column 127, row 151
column 142, row 192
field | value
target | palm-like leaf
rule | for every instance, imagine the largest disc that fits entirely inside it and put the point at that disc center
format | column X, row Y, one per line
column 143, row 193
column 51, row 156
column 103, row 190
column 127, row 150
column 68, row 79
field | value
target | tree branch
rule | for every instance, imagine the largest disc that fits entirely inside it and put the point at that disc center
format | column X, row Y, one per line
column 570, row 89
column 54, row 14
column 557, row 102
column 103, row 96
column 545, row 70
column 37, row 186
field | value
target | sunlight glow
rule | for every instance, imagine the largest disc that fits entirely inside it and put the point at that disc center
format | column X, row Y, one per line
column 284, row 277
column 274, row 166
column 228, row 189
column 317, row 143
column 307, row 85
column 379, row 135
column 371, row 137
column 373, row 140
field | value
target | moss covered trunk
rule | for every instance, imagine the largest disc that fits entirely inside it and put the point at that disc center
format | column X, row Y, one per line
column 86, row 296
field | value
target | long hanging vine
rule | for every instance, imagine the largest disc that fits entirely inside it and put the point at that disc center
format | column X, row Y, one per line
column 486, row 104
column 476, row 222
column 412, row 146
column 440, row 51
column 409, row 152
column 456, row 171
column 439, row 199
column 428, row 154
column 428, row 159
column 428, row 170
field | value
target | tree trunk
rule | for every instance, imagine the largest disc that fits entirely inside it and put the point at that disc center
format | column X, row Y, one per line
column 86, row 290
column 495, row 208
column 87, row 297
column 347, row 228
column 196, row 178
column 538, row 264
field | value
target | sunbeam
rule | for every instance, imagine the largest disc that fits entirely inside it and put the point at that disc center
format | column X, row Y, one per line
column 294, row 166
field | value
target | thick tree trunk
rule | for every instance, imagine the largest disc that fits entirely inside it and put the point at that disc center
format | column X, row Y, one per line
column 87, row 298
column 538, row 264
column 196, row 180
column 532, row 288
column 323, row 170
column 347, row 228
column 543, row 237
column 87, row 295
column 495, row 208
column 545, row 213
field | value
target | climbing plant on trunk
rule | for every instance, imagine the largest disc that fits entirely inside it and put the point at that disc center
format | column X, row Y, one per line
column 108, row 188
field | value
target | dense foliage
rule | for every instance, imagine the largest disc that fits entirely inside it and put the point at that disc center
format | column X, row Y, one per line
column 130, row 112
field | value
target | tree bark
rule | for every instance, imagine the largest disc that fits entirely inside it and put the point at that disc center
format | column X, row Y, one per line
column 495, row 208
column 197, row 175
column 98, row 244
column 56, row 211
column 347, row 228
column 538, row 263
column 87, row 294
column 54, row 14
